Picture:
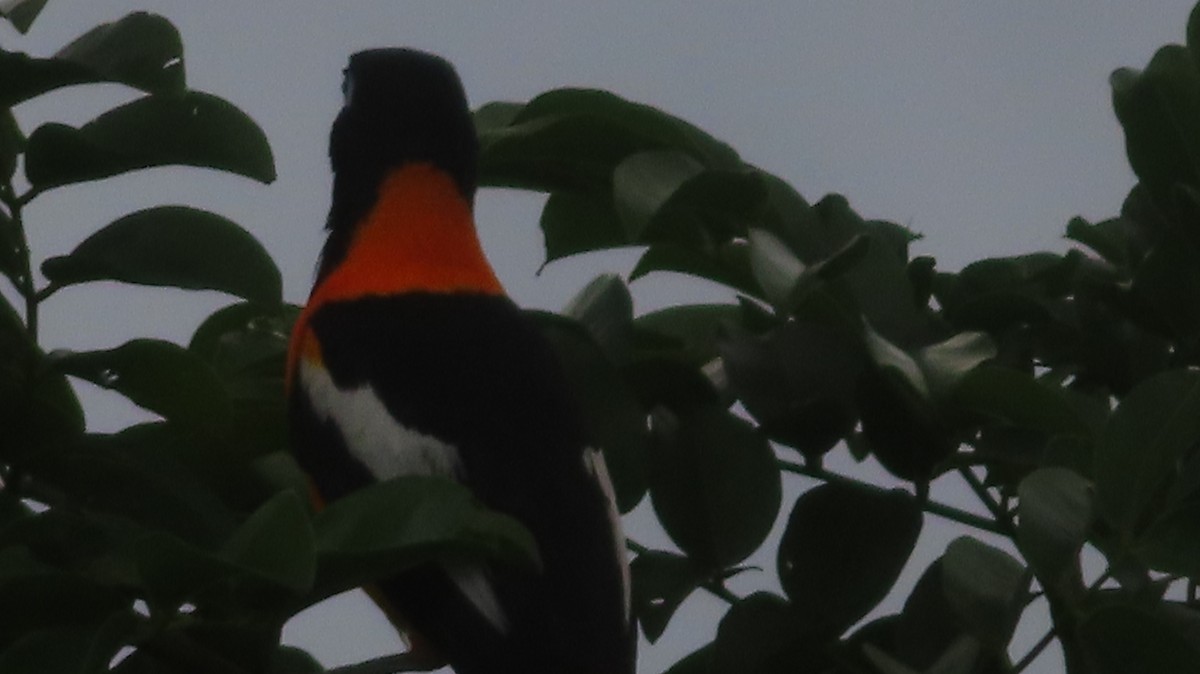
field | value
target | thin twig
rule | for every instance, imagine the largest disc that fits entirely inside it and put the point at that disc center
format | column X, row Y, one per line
column 1024, row 662
column 932, row 507
column 713, row 586
column 1003, row 518
column 390, row 664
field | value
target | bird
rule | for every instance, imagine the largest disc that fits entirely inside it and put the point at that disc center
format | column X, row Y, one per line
column 410, row 359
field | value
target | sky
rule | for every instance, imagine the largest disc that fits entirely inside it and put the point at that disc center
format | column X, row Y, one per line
column 984, row 126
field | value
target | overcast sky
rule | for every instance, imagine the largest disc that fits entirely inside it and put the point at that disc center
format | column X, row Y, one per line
column 983, row 125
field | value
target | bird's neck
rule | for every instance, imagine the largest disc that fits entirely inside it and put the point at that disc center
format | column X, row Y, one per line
column 418, row 237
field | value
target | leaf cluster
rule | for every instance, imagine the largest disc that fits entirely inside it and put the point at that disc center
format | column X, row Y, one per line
column 1062, row 389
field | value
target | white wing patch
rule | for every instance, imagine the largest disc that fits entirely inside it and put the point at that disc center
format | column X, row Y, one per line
column 593, row 461
column 372, row 435
column 388, row 449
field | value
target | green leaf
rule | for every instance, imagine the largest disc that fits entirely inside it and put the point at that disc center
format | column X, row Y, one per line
column 763, row 634
column 69, row 650
column 576, row 222
column 643, row 184
column 775, row 267
column 1129, row 640
column 948, row 362
column 1172, row 542
column 687, row 332
column 12, row 143
column 574, row 139
column 713, row 483
column 1055, row 515
column 189, row 129
column 797, row 381
column 50, row 599
column 1145, row 437
column 124, row 475
column 1109, row 238
column 1158, row 109
column 843, row 549
column 159, row 376
column 614, row 418
column 605, row 309
column 141, row 50
column 173, row 246
column 1168, row 282
column 38, row 407
column 986, row 587
column 728, row 265
column 1018, row 399
column 699, row 661
column 22, row 13
column 292, row 660
column 661, row 583
column 246, row 340
column 277, row 543
column 390, row 526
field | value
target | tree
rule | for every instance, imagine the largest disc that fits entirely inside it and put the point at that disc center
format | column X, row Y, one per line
column 1063, row 389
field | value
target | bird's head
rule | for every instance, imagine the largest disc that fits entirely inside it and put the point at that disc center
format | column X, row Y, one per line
column 402, row 107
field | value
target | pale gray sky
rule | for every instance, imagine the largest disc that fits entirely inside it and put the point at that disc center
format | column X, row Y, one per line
column 983, row 125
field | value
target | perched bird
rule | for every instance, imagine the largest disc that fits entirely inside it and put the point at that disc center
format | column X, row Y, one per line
column 409, row 359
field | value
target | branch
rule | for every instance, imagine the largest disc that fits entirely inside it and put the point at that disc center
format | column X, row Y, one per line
column 932, row 507
column 1004, row 518
column 713, row 586
column 390, row 664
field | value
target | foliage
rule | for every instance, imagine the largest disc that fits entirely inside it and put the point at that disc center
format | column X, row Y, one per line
column 1064, row 389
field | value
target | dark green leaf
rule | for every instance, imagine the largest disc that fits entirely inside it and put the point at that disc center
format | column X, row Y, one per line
column 1018, row 399
column 1055, row 515
column 728, row 265
column 160, row 376
column 575, row 222
column 50, row 599
column 699, row 661
column 661, row 583
column 615, row 420
column 605, row 308
column 948, row 362
column 986, row 587
column 291, row 660
column 1172, row 543
column 643, row 184
column 246, row 339
column 574, row 139
column 190, row 129
column 776, row 268
column 124, row 475
column 142, row 50
column 12, row 143
column 1159, row 108
column 763, row 634
column 1109, row 238
column 1145, row 437
column 688, row 332
column 714, row 484
column 173, row 246
column 277, row 543
column 797, row 381
column 1128, row 640
column 843, row 549
column 390, row 526
column 1168, row 282
column 22, row 13
column 69, row 650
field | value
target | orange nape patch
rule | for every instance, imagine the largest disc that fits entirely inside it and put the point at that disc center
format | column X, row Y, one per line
column 419, row 237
